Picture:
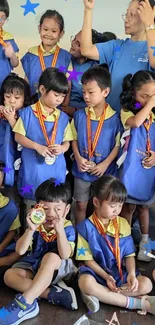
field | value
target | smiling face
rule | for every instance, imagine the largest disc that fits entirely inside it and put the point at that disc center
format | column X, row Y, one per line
column 133, row 24
column 75, row 49
column 50, row 33
column 3, row 18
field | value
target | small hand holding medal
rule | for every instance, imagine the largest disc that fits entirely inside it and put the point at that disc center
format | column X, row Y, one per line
column 36, row 217
column 9, row 113
column 149, row 161
column 99, row 169
column 83, row 165
column 56, row 149
column 111, row 283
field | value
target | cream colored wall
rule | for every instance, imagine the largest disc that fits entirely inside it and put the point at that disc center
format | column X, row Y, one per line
column 107, row 17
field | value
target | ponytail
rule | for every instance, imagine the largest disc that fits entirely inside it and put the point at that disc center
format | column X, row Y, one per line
column 127, row 99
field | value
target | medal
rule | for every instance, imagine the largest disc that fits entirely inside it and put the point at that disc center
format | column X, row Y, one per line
column 38, row 216
column 41, row 58
column 147, row 125
column 92, row 145
column 50, row 160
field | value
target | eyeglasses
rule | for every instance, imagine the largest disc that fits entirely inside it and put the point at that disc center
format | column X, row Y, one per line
column 73, row 39
column 129, row 16
column 4, row 20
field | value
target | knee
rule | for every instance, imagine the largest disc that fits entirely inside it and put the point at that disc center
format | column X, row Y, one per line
column 49, row 260
column 86, row 284
column 130, row 208
column 142, row 209
column 8, row 276
column 145, row 286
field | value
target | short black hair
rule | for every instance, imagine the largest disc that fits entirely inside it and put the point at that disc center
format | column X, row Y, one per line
column 48, row 191
column 4, row 7
column 98, row 74
column 15, row 83
column 53, row 79
column 109, row 188
column 2, row 165
column 55, row 15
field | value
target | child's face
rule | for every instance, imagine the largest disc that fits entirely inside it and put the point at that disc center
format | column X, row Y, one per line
column 75, row 49
column 3, row 19
column 50, row 32
column 51, row 99
column 93, row 95
column 14, row 100
column 145, row 92
column 53, row 210
column 107, row 209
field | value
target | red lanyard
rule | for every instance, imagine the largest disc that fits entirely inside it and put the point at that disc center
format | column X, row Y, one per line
column 115, row 250
column 41, row 58
column 92, row 146
column 1, row 38
column 44, row 235
column 147, row 124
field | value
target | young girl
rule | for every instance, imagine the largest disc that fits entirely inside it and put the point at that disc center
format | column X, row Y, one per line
column 48, row 53
column 9, row 221
column 106, row 247
column 8, row 47
column 138, row 171
column 15, row 94
column 44, row 132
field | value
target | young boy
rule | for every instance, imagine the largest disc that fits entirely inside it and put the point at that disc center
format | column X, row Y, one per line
column 96, row 132
column 9, row 223
column 8, row 47
column 49, row 261
column 106, row 247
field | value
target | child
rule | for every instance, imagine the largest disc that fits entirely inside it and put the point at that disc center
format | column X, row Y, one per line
column 104, row 245
column 48, row 53
column 15, row 94
column 138, row 119
column 9, row 221
column 44, row 132
column 8, row 47
column 49, row 261
column 96, row 131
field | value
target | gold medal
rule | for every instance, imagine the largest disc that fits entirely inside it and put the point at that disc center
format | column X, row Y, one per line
column 143, row 161
column 38, row 216
column 50, row 160
column 91, row 165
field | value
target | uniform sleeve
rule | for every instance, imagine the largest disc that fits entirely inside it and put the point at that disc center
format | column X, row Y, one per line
column 15, row 46
column 83, row 252
column 117, row 139
column 16, row 224
column 19, row 127
column 74, row 132
column 124, row 118
column 26, row 64
column 70, row 234
column 106, row 51
column 68, row 136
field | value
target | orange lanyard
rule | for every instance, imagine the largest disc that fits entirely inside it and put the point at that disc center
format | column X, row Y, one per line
column 41, row 121
column 147, row 124
column 1, row 38
column 48, row 239
column 92, row 146
column 41, row 57
column 116, row 250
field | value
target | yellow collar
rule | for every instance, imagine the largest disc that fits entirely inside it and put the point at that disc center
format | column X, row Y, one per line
column 52, row 51
column 47, row 115
column 3, row 201
column 109, row 113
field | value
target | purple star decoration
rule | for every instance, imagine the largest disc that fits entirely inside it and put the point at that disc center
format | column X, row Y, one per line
column 26, row 189
column 72, row 74
column 7, row 169
column 138, row 105
column 57, row 183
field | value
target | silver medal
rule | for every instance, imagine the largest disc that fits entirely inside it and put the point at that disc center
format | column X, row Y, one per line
column 50, row 160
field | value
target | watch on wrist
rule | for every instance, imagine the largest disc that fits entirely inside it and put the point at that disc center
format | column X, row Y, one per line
column 151, row 27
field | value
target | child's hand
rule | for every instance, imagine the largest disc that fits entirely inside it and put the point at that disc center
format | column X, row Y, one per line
column 132, row 283
column 58, row 222
column 89, row 4
column 9, row 51
column 111, row 283
column 150, row 161
column 30, row 224
column 56, row 149
column 9, row 113
column 42, row 150
column 99, row 169
column 83, row 165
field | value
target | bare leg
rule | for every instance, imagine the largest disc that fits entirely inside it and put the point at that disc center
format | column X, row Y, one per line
column 143, row 215
column 127, row 212
column 18, row 279
column 80, row 212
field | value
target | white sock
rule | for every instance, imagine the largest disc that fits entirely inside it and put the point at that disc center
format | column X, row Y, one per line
column 145, row 238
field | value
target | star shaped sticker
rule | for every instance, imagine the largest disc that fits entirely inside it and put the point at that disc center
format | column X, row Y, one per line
column 153, row 48
column 26, row 189
column 30, row 7
column 63, row 69
column 7, row 169
column 73, row 75
column 57, row 183
column 82, row 250
column 138, row 105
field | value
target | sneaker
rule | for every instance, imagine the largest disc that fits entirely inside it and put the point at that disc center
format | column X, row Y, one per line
column 91, row 302
column 18, row 311
column 61, row 295
column 142, row 256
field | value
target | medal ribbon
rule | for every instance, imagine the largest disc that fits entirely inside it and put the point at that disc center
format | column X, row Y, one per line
column 48, row 239
column 41, row 121
column 41, row 57
column 147, row 124
column 115, row 250
column 1, row 39
column 92, row 146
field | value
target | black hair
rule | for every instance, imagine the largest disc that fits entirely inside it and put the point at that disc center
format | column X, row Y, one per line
column 2, row 165
column 48, row 191
column 15, row 83
column 99, row 74
column 131, row 84
column 108, row 36
column 53, row 79
column 55, row 15
column 4, row 7
column 98, row 37
column 109, row 188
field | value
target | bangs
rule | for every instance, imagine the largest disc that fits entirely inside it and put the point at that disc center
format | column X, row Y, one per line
column 116, row 197
column 13, row 86
column 59, row 88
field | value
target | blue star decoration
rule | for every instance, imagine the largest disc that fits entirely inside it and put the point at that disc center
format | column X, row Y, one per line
column 82, row 250
column 148, row 246
column 30, row 7
column 153, row 48
column 57, row 183
column 72, row 74
column 7, row 169
column 26, row 189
